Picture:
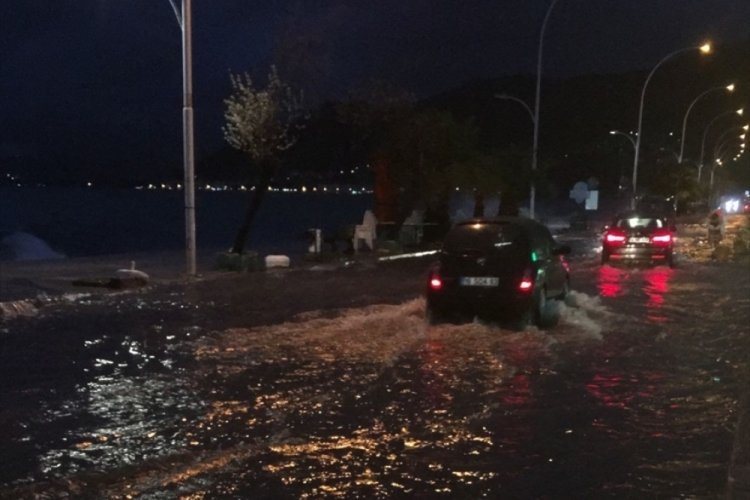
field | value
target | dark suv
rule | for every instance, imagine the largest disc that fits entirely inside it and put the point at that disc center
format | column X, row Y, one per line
column 501, row 268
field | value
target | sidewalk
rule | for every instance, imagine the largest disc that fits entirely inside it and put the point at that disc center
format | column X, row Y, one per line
column 27, row 285
column 21, row 280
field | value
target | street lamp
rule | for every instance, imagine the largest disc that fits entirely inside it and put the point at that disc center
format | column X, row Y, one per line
column 185, row 20
column 739, row 112
column 728, row 88
column 535, row 113
column 627, row 136
column 728, row 131
column 519, row 101
column 721, row 148
column 704, row 49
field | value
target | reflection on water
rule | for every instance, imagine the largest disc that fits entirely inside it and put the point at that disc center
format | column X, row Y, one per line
column 371, row 402
column 129, row 404
column 120, row 421
column 620, row 283
column 656, row 286
column 623, row 389
column 610, row 281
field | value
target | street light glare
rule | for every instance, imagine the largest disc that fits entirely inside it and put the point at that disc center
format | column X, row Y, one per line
column 746, row 127
column 730, row 87
column 741, row 111
column 706, row 48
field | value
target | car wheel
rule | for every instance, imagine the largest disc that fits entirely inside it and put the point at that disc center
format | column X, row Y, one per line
column 546, row 312
column 565, row 291
column 670, row 261
column 605, row 257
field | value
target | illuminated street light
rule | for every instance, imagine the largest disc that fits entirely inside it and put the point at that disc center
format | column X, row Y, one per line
column 738, row 112
column 627, row 136
column 704, row 49
column 719, row 160
column 725, row 134
column 729, row 88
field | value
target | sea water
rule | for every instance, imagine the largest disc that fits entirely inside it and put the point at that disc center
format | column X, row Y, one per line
column 54, row 222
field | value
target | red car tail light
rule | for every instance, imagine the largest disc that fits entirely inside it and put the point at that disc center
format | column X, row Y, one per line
column 527, row 282
column 435, row 283
column 661, row 239
column 614, row 237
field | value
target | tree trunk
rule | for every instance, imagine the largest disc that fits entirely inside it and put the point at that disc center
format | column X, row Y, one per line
column 254, row 200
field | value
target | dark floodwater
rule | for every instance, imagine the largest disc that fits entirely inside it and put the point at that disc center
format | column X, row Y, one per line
column 633, row 395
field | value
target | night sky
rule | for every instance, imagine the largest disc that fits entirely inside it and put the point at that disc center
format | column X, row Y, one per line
column 92, row 86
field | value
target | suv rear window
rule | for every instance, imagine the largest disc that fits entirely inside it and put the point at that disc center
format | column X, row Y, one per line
column 640, row 223
column 485, row 237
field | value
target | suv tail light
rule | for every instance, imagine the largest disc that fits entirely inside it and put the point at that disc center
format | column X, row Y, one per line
column 661, row 238
column 615, row 237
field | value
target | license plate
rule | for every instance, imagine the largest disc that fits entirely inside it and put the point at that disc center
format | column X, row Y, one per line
column 479, row 281
column 638, row 240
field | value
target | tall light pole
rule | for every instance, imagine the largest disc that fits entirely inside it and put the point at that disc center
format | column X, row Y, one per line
column 534, row 114
column 705, row 49
column 728, row 88
column 631, row 140
column 720, row 141
column 739, row 112
column 537, row 100
column 627, row 136
column 185, row 20
column 533, row 157
column 519, row 101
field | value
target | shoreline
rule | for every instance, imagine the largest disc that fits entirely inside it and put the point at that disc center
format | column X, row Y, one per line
column 29, row 281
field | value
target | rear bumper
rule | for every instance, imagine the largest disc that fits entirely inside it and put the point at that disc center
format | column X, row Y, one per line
column 482, row 302
column 639, row 254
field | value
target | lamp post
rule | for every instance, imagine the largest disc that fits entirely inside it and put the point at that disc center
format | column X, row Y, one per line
column 720, row 151
column 704, row 49
column 185, row 20
column 739, row 112
column 519, row 101
column 728, row 131
column 627, row 136
column 535, row 112
column 722, row 148
column 631, row 140
column 728, row 88
column 537, row 100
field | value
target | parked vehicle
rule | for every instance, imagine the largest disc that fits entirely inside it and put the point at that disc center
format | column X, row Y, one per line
column 639, row 237
column 498, row 268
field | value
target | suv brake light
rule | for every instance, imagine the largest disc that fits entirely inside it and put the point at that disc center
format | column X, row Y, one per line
column 662, row 238
column 614, row 237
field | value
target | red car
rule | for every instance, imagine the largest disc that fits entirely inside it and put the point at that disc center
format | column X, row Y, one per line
column 639, row 237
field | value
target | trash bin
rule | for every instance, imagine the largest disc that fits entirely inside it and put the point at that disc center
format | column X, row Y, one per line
column 316, row 240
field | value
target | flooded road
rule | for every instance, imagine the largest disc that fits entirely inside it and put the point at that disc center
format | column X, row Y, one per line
column 329, row 383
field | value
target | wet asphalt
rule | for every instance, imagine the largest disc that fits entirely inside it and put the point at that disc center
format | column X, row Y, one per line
column 327, row 382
